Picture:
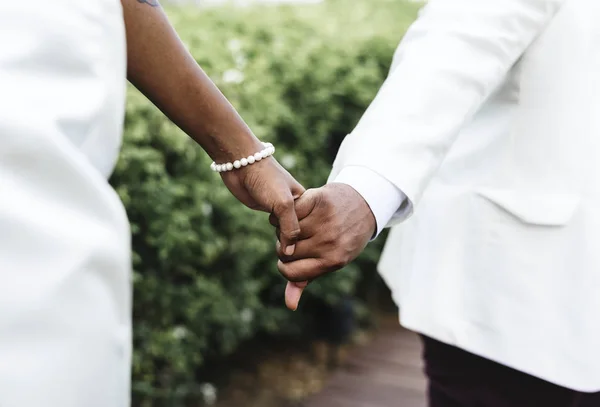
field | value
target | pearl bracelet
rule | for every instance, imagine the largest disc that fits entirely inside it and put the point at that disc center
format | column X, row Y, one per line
column 268, row 151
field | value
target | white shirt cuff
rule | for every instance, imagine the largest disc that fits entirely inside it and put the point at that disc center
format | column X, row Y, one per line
column 383, row 197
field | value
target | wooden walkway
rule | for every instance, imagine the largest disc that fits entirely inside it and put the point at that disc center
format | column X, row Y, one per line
column 386, row 372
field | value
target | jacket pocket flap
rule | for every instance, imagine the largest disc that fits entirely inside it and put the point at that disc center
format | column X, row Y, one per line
column 544, row 209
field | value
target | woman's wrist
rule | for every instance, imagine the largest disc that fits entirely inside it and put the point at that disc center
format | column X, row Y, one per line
column 223, row 148
column 267, row 150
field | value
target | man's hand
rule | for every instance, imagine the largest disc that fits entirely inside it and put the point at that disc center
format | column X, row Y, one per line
column 267, row 186
column 335, row 226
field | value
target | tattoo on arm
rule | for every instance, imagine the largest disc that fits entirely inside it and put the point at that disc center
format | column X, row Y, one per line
column 151, row 3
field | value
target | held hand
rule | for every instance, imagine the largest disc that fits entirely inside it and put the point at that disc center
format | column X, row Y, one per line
column 268, row 187
column 336, row 224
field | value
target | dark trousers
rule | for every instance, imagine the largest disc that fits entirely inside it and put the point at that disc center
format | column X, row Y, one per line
column 461, row 379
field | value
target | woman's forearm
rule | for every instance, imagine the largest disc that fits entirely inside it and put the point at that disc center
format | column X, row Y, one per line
column 164, row 71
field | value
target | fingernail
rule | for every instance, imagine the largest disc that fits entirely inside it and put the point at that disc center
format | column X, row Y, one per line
column 290, row 249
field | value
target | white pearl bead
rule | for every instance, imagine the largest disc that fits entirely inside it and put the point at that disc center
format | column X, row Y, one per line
column 267, row 151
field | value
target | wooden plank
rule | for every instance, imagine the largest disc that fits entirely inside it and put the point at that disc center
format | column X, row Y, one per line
column 387, row 372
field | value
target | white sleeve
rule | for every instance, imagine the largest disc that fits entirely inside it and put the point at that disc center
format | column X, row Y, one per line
column 451, row 59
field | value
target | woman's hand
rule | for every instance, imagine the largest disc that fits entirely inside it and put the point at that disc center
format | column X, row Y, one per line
column 268, row 187
column 160, row 66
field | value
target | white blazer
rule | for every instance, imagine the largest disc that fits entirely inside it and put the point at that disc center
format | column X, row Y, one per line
column 488, row 126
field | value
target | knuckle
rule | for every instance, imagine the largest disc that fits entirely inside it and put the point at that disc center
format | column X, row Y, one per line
column 339, row 259
column 292, row 234
column 283, row 205
column 283, row 269
column 323, row 202
column 330, row 198
column 330, row 237
column 322, row 268
column 290, row 274
column 334, row 238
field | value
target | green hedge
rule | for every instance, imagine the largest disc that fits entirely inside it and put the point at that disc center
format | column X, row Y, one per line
column 205, row 271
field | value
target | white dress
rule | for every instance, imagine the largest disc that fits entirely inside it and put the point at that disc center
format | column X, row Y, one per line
column 65, row 291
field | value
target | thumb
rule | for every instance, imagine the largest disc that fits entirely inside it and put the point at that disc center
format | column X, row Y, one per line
column 293, row 292
column 289, row 225
column 303, row 206
column 297, row 189
column 307, row 202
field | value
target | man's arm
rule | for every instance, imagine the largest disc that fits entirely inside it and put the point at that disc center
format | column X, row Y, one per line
column 160, row 66
column 451, row 59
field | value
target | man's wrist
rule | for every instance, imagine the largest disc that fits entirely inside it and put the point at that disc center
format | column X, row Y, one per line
column 383, row 198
